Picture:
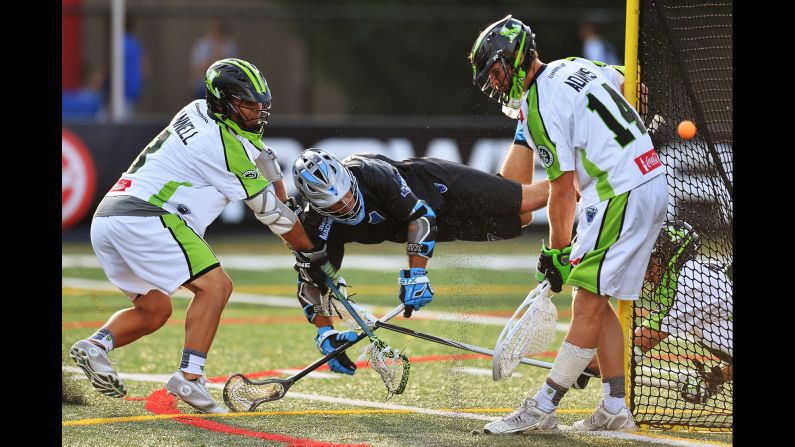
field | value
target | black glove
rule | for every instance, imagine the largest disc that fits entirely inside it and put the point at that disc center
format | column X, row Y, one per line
column 553, row 264
column 314, row 267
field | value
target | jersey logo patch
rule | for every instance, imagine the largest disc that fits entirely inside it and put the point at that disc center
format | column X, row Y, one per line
column 546, row 155
column 404, row 188
column 183, row 209
column 121, row 185
column 441, row 187
column 375, row 218
column 590, row 212
column 252, row 174
column 648, row 162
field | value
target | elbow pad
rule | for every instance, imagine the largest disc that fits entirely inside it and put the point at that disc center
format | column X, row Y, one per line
column 271, row 211
column 421, row 237
column 267, row 164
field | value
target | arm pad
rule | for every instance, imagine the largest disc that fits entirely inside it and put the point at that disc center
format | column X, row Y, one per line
column 309, row 297
column 422, row 231
column 271, row 211
column 267, row 164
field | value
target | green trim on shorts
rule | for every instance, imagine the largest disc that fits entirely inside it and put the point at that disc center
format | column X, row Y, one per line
column 587, row 273
column 198, row 254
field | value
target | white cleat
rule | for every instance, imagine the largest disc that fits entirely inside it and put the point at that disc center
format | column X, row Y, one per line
column 93, row 360
column 601, row 419
column 527, row 417
column 194, row 393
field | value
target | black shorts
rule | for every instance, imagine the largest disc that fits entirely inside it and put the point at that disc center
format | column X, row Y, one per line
column 470, row 204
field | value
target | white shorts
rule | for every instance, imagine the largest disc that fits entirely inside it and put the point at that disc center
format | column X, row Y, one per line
column 139, row 254
column 614, row 240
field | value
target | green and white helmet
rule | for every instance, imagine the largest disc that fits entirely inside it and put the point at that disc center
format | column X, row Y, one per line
column 502, row 43
column 232, row 78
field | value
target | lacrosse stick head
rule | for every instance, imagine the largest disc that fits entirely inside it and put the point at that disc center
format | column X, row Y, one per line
column 331, row 306
column 392, row 365
column 243, row 394
column 525, row 334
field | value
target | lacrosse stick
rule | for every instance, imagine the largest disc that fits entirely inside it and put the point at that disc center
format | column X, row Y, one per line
column 392, row 365
column 243, row 394
column 455, row 344
column 525, row 334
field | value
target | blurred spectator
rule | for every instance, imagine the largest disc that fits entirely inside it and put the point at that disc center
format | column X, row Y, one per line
column 136, row 69
column 594, row 46
column 213, row 46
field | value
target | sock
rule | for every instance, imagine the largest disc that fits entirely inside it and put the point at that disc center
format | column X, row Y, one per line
column 104, row 338
column 192, row 362
column 613, row 392
column 549, row 395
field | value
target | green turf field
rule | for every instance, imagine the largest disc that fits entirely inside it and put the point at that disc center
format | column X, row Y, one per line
column 331, row 409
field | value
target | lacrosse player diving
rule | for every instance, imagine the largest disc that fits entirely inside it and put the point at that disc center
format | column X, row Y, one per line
column 593, row 144
column 370, row 199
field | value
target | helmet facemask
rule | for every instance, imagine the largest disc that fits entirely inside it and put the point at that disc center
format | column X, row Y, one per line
column 235, row 114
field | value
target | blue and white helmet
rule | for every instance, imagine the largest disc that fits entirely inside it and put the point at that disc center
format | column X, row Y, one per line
column 324, row 182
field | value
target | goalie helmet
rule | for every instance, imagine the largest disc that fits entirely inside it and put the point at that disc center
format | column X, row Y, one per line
column 676, row 244
column 324, row 182
column 229, row 79
column 502, row 43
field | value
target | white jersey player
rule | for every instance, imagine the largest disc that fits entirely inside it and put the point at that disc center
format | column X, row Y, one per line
column 148, row 230
column 592, row 144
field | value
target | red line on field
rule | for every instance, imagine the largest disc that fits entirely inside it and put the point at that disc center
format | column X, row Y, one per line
column 181, row 322
column 161, row 402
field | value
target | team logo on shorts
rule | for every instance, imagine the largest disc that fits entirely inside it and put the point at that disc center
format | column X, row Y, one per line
column 252, row 174
column 546, row 156
column 183, row 209
column 590, row 212
column 441, row 187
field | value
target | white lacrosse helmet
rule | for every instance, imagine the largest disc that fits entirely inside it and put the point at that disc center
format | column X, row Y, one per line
column 324, row 182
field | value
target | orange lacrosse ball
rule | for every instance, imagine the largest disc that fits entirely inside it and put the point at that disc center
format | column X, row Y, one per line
column 686, row 129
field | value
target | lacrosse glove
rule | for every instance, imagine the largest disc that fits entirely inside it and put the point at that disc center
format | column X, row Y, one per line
column 314, row 267
column 415, row 288
column 553, row 264
column 327, row 340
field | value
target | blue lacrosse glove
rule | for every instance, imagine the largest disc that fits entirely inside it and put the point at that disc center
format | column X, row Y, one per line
column 553, row 264
column 415, row 288
column 327, row 340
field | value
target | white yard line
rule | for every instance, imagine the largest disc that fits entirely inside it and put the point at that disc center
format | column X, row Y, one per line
column 162, row 378
column 381, row 263
column 291, row 302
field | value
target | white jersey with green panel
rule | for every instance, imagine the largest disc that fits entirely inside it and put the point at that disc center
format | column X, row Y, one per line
column 575, row 118
column 194, row 168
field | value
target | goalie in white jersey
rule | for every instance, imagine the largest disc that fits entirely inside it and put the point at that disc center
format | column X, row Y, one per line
column 148, row 230
column 592, row 143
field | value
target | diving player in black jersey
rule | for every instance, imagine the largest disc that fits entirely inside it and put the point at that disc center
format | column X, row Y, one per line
column 370, row 199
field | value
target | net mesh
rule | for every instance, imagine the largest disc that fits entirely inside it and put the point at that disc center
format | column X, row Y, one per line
column 241, row 394
column 685, row 67
column 392, row 365
column 529, row 335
